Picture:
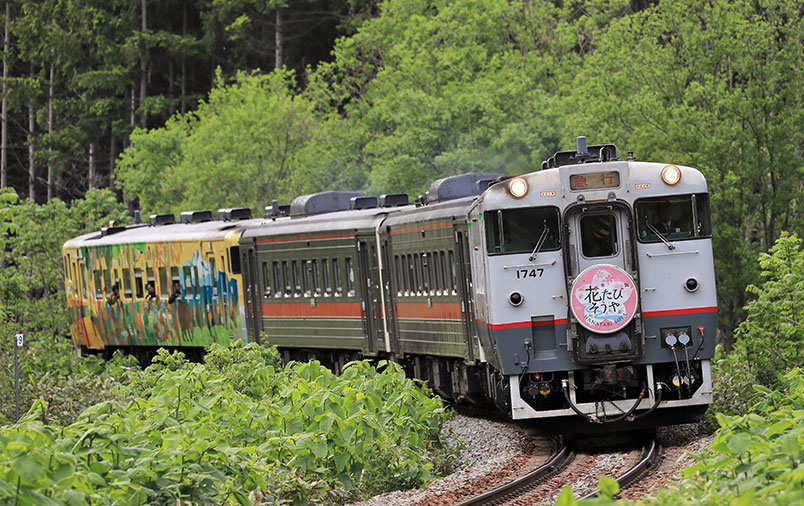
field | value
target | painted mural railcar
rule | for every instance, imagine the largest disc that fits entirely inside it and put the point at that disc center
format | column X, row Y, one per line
column 162, row 284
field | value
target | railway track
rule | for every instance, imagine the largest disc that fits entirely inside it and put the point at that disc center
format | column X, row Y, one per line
column 562, row 456
column 650, row 456
column 517, row 490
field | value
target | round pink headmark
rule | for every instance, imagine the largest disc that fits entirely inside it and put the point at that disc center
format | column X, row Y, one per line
column 604, row 298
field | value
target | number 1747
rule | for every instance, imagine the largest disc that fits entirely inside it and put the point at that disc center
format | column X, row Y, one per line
column 529, row 273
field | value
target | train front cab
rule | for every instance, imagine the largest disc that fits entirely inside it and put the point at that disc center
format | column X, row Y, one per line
column 575, row 227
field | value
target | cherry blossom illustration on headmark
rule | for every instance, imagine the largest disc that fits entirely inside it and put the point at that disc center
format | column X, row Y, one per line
column 604, row 298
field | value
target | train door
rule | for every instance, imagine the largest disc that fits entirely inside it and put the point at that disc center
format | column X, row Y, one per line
column 253, row 299
column 599, row 235
column 369, row 305
column 465, row 291
column 604, row 312
column 389, row 290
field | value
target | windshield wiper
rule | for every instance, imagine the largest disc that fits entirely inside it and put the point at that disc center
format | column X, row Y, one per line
column 659, row 235
column 539, row 243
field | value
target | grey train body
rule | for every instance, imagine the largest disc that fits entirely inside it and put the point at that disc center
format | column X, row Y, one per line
column 472, row 288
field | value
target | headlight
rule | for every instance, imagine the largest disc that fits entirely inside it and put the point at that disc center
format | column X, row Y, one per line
column 671, row 174
column 518, row 187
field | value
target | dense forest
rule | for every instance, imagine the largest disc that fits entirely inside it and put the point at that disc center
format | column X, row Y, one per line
column 117, row 105
column 205, row 104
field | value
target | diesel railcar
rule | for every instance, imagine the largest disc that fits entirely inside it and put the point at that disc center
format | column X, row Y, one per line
column 160, row 284
column 581, row 292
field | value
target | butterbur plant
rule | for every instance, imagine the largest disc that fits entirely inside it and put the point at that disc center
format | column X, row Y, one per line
column 238, row 429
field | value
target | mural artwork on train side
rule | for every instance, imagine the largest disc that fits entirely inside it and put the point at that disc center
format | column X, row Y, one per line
column 204, row 311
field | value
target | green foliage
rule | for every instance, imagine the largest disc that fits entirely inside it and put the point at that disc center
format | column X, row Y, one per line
column 244, row 145
column 32, row 303
column 235, row 429
column 773, row 330
column 714, row 85
column 756, row 458
column 32, row 278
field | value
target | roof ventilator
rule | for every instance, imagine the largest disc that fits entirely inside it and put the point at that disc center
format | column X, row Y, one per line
column 324, row 202
column 196, row 216
column 394, row 200
column 234, row 213
column 362, row 202
column 113, row 228
column 456, row 187
column 161, row 219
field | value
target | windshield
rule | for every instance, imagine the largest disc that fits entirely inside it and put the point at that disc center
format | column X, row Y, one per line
column 519, row 230
column 674, row 218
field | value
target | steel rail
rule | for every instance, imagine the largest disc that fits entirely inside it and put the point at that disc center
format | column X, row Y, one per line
column 507, row 491
column 649, row 457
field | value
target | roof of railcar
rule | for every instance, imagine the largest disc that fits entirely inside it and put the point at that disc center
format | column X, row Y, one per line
column 351, row 220
column 431, row 212
column 206, row 231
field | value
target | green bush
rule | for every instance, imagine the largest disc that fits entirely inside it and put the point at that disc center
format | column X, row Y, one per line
column 235, row 429
column 773, row 330
column 756, row 458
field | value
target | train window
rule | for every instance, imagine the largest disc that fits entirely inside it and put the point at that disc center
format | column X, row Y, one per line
column 127, row 283
column 285, row 279
column 325, row 277
column 444, row 285
column 436, row 273
column 294, row 271
column 522, row 230
column 266, row 281
column 234, row 253
column 277, row 286
column 410, row 289
column 97, row 279
column 398, row 274
column 138, row 282
column 599, row 235
column 427, row 276
column 314, row 277
column 214, row 273
column 196, row 282
column 188, row 281
column 305, row 277
column 451, row 270
column 150, row 273
column 164, row 286
column 84, row 280
column 673, row 218
column 336, row 277
column 350, row 277
column 107, row 281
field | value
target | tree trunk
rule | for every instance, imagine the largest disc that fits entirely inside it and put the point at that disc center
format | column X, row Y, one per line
column 4, row 111
column 112, row 157
column 31, row 163
column 143, row 62
column 184, row 61
column 279, row 49
column 91, row 177
column 50, row 98
column 132, row 119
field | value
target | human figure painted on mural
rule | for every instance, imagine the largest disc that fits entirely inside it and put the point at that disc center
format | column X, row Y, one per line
column 150, row 292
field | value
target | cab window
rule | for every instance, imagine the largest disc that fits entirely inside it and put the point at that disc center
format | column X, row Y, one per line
column 599, row 235
column 521, row 230
column 677, row 217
